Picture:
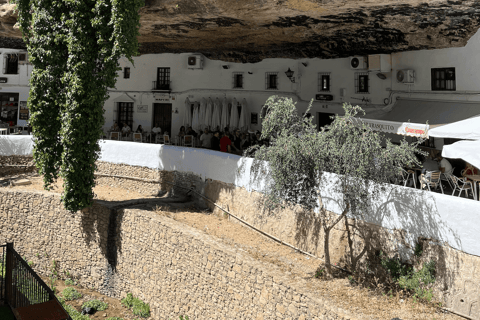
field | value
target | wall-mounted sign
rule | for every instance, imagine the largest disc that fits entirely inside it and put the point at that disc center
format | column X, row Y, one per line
column 142, row 108
column 324, row 97
column 162, row 97
column 3, row 80
column 24, row 113
column 254, row 118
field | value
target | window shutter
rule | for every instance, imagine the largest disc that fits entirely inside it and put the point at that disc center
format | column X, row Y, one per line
column 5, row 57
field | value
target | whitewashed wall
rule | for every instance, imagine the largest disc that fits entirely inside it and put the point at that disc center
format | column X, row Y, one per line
column 420, row 213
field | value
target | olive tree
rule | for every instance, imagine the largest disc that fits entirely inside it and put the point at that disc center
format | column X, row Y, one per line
column 299, row 158
column 74, row 47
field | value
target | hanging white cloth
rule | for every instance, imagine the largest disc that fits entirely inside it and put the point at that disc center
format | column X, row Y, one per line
column 216, row 117
column 195, row 120
column 243, row 123
column 234, row 115
column 201, row 114
column 208, row 113
column 187, row 115
column 225, row 115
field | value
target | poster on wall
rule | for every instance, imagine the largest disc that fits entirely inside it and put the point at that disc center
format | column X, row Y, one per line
column 23, row 114
column 142, row 108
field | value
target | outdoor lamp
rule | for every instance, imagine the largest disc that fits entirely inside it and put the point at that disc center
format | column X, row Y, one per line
column 290, row 76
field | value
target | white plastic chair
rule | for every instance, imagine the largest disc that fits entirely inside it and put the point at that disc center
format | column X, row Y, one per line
column 114, row 135
column 137, row 137
column 462, row 184
column 407, row 175
column 444, row 177
column 188, row 141
column 166, row 140
column 432, row 178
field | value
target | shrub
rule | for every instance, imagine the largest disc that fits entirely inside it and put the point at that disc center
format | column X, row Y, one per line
column 72, row 311
column 69, row 282
column 95, row 304
column 70, row 293
column 417, row 281
column 139, row 308
column 394, row 267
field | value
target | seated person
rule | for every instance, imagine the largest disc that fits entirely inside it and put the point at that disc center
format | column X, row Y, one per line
column 205, row 139
column 190, row 132
column 126, row 130
column 469, row 170
column 215, row 141
column 139, row 129
column 445, row 165
column 225, row 143
column 237, row 142
column 428, row 165
column 115, row 127
column 157, row 129
column 182, row 132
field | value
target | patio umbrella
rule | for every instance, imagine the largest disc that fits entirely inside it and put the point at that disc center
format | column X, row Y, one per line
column 466, row 150
column 243, row 123
column 201, row 114
column 464, row 129
column 225, row 115
column 216, row 117
column 187, row 116
column 234, row 115
column 195, row 120
column 208, row 113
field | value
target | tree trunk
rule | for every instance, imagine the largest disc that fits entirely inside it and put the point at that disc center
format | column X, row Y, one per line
column 328, row 267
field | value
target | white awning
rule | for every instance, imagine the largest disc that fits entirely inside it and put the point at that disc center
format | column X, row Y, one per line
column 466, row 129
column 401, row 128
column 466, row 150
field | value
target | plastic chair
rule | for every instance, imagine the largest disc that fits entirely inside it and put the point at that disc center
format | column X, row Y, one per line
column 461, row 184
column 115, row 136
column 407, row 175
column 137, row 137
column 166, row 140
column 444, row 177
column 188, row 141
column 431, row 178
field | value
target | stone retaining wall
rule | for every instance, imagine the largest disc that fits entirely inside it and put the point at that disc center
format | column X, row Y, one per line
column 177, row 269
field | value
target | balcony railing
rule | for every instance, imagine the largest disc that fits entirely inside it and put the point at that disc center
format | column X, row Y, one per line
column 161, row 86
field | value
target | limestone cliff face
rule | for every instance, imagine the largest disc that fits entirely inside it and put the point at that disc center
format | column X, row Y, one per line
column 252, row 30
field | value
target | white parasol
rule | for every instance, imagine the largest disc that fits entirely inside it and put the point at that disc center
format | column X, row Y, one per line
column 201, row 114
column 195, row 120
column 225, row 115
column 187, row 116
column 216, row 117
column 208, row 113
column 234, row 115
column 243, row 123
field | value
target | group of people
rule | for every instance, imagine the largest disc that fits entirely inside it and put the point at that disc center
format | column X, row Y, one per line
column 235, row 142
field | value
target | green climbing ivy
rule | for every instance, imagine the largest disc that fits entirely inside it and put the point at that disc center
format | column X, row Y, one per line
column 74, row 47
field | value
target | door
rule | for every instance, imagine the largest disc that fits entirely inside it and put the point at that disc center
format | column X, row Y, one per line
column 324, row 119
column 162, row 114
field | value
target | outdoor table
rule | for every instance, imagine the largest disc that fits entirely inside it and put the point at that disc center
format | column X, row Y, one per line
column 415, row 176
column 3, row 131
column 475, row 179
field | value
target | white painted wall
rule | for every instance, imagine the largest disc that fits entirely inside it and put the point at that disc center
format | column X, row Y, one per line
column 420, row 213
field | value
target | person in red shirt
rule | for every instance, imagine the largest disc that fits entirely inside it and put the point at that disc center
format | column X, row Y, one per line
column 225, row 143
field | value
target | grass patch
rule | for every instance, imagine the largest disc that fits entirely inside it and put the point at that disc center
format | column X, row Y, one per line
column 139, row 308
column 95, row 304
column 70, row 293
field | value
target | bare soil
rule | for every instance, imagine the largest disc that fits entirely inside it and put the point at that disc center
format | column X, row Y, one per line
column 371, row 303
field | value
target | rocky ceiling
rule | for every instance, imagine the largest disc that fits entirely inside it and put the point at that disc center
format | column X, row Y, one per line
column 252, row 30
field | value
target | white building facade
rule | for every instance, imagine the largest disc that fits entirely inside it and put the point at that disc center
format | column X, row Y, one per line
column 438, row 84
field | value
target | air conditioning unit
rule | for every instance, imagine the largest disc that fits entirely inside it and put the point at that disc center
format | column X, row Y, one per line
column 22, row 58
column 406, row 76
column 195, row 61
column 359, row 63
column 380, row 62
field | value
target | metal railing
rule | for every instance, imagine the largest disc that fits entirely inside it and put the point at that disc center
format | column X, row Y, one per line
column 24, row 288
column 161, row 86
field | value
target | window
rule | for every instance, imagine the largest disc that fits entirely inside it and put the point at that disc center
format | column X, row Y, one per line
column 10, row 63
column 125, row 114
column 443, row 79
column 324, row 82
column 271, row 80
column 361, row 82
column 126, row 73
column 238, row 80
column 163, row 79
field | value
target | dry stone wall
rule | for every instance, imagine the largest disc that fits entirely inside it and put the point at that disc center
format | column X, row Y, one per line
column 177, row 269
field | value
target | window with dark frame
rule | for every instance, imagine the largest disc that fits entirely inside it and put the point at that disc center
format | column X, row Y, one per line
column 125, row 114
column 163, row 78
column 361, row 82
column 238, row 80
column 443, row 79
column 271, row 80
column 324, row 81
column 10, row 63
column 126, row 73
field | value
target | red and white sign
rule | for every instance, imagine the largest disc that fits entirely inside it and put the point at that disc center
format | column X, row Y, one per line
column 401, row 128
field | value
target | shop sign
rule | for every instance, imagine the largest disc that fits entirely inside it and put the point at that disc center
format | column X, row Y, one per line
column 162, row 97
column 142, row 108
column 3, row 80
column 401, row 128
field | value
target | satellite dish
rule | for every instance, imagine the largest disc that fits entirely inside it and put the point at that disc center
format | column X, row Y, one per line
column 381, row 76
column 400, row 76
column 355, row 62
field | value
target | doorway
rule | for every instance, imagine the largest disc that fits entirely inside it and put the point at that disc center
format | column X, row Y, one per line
column 162, row 114
column 324, row 119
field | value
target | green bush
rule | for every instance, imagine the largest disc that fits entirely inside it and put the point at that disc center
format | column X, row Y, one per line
column 72, row 311
column 69, row 282
column 394, row 267
column 70, row 293
column 417, row 282
column 139, row 308
column 95, row 304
